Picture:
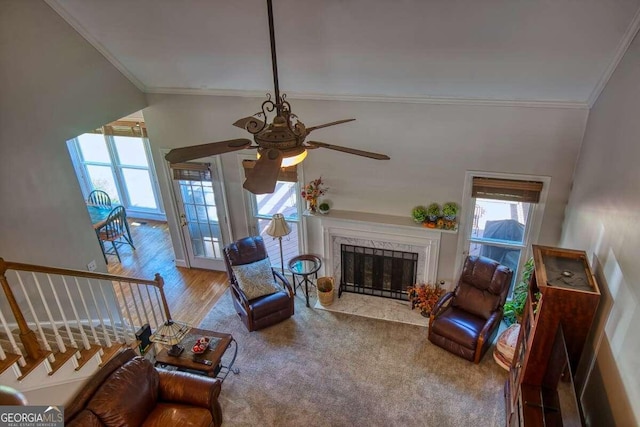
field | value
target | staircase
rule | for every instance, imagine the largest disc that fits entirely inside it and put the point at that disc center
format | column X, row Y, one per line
column 58, row 326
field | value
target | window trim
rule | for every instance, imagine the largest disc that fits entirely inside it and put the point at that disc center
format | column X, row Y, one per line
column 532, row 232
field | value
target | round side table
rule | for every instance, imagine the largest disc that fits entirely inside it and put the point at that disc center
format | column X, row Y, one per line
column 304, row 266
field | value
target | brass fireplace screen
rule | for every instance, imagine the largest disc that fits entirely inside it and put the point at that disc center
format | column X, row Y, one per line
column 380, row 272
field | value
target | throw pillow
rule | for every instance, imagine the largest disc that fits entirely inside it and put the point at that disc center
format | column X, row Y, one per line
column 255, row 279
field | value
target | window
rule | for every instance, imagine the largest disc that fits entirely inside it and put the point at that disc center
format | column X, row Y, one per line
column 503, row 214
column 286, row 200
column 121, row 166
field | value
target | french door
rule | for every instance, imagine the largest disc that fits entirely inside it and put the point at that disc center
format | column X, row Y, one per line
column 202, row 213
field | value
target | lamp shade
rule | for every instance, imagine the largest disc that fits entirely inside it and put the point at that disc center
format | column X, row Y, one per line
column 171, row 333
column 278, row 227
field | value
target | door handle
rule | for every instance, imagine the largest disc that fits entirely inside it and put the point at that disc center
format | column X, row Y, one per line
column 183, row 219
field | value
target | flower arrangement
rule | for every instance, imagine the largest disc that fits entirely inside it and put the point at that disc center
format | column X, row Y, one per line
column 424, row 296
column 312, row 191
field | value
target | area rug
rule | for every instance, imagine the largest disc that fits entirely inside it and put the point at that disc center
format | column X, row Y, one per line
column 321, row 368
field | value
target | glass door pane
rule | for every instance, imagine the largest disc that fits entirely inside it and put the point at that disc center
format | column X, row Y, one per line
column 202, row 219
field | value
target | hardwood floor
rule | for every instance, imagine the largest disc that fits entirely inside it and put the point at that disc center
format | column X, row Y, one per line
column 191, row 293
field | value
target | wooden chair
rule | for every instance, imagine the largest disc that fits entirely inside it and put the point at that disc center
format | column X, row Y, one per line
column 116, row 231
column 99, row 198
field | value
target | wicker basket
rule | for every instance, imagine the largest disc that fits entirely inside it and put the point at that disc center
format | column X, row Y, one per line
column 325, row 290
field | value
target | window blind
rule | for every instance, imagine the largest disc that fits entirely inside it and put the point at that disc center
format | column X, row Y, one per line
column 289, row 174
column 506, row 189
column 123, row 128
column 191, row 171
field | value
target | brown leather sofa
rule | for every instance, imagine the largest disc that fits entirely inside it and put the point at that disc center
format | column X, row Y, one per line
column 129, row 391
column 465, row 321
column 263, row 311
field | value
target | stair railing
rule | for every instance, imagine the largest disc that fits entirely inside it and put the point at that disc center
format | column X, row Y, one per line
column 73, row 308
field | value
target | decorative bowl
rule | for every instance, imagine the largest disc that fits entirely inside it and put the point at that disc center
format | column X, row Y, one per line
column 201, row 345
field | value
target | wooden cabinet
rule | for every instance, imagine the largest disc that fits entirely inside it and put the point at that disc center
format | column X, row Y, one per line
column 562, row 301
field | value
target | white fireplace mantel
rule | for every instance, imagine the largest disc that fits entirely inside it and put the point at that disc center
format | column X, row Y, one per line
column 379, row 231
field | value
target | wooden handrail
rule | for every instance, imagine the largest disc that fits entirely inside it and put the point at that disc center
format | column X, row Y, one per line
column 8, row 265
column 27, row 336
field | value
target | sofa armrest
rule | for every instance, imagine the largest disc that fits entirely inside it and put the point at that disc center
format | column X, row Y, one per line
column 495, row 318
column 441, row 303
column 285, row 282
column 191, row 389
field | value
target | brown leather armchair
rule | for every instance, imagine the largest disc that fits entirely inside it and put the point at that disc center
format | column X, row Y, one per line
column 129, row 391
column 266, row 310
column 465, row 321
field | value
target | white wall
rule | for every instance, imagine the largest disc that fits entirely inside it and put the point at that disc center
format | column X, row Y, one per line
column 431, row 147
column 603, row 219
column 53, row 86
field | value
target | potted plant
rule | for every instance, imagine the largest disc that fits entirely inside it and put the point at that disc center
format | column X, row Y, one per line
column 513, row 308
column 450, row 210
column 323, row 208
column 419, row 214
column 312, row 191
column 433, row 212
column 424, row 297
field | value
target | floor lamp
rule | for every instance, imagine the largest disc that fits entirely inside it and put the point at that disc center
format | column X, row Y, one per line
column 278, row 228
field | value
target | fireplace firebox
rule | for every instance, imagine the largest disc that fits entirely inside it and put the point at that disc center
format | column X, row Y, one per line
column 379, row 272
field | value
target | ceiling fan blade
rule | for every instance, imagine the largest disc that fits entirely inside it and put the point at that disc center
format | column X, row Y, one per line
column 249, row 123
column 183, row 154
column 316, row 144
column 326, row 125
column 264, row 175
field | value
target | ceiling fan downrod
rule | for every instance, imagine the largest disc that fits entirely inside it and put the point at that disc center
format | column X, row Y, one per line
column 274, row 60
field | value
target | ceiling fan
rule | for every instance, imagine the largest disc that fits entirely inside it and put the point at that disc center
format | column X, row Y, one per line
column 280, row 143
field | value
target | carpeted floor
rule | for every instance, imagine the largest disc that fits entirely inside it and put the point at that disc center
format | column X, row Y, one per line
column 321, row 368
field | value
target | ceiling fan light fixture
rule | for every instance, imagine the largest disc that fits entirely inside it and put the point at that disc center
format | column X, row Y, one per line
column 291, row 157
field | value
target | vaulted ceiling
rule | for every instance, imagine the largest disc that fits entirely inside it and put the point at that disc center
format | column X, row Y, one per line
column 549, row 51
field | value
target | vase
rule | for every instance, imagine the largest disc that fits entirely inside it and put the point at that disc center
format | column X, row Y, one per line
column 313, row 205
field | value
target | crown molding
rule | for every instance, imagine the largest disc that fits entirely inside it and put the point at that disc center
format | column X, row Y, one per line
column 376, row 98
column 624, row 44
column 60, row 10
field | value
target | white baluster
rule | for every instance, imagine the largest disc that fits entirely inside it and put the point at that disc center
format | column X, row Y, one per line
column 153, row 310
column 86, row 310
column 135, row 305
column 45, row 343
column 126, row 306
column 72, row 340
column 12, row 340
column 144, row 307
column 114, row 327
column 61, row 347
column 107, row 339
column 85, row 340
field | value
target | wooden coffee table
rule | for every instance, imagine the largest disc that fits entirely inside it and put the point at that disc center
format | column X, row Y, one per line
column 189, row 361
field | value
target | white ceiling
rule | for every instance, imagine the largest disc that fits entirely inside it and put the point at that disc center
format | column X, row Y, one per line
column 549, row 51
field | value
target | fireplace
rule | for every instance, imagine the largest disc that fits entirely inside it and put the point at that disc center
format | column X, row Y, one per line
column 378, row 272
column 377, row 234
